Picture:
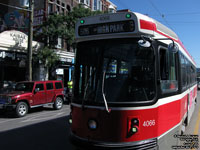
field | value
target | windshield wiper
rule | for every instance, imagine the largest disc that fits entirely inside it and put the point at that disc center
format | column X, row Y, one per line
column 84, row 95
column 104, row 98
column 145, row 94
column 86, row 88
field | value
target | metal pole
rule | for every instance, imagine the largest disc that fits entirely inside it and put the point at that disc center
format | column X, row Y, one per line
column 30, row 39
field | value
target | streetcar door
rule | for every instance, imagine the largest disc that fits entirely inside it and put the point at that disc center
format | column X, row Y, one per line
column 168, row 70
column 168, row 78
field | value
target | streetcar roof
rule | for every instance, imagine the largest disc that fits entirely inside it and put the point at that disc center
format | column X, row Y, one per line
column 143, row 24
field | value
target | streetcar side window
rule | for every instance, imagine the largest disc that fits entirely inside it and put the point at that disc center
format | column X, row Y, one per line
column 183, row 72
column 168, row 74
column 188, row 72
column 191, row 72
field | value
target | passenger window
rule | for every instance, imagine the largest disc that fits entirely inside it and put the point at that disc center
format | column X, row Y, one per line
column 49, row 86
column 183, row 71
column 168, row 72
column 58, row 85
column 40, row 87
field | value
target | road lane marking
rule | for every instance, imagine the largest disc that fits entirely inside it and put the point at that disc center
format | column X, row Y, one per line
column 39, row 118
column 196, row 129
column 32, row 115
column 46, row 112
column 9, row 120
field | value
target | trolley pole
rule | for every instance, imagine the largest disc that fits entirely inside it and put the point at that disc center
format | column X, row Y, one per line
column 30, row 39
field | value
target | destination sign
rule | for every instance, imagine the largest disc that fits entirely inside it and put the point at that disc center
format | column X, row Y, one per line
column 107, row 28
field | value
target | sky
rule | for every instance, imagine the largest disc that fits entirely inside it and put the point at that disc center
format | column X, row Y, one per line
column 182, row 16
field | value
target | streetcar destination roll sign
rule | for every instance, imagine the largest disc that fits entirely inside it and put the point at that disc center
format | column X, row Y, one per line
column 107, row 28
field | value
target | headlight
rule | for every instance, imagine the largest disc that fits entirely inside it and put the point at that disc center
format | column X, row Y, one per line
column 92, row 124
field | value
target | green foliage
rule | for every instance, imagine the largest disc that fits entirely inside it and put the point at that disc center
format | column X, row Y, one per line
column 63, row 26
column 71, row 19
column 47, row 57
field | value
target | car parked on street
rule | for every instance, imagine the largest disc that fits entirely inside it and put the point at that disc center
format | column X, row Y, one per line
column 30, row 94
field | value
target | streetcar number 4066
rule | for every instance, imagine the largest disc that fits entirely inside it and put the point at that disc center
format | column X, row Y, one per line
column 149, row 123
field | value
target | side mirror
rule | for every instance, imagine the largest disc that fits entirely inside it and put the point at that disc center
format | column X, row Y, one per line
column 173, row 47
column 36, row 90
column 144, row 43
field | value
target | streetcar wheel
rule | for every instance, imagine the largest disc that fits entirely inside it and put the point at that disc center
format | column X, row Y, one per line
column 182, row 129
column 21, row 109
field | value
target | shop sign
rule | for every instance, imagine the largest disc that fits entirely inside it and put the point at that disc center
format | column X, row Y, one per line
column 59, row 71
column 13, row 56
column 18, row 38
column 9, row 55
column 69, row 60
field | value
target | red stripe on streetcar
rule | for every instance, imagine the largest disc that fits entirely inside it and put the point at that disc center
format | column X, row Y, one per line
column 148, row 25
column 114, row 127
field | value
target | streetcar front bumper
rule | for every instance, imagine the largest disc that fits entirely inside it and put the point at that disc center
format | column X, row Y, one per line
column 150, row 144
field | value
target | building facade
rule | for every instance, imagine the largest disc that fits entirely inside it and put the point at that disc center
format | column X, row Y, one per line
column 13, row 56
column 99, row 5
column 18, row 19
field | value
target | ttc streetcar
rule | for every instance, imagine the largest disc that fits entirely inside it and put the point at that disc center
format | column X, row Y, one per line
column 134, row 84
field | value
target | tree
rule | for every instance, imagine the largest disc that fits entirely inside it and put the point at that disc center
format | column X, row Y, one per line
column 58, row 26
column 48, row 58
column 71, row 19
column 63, row 26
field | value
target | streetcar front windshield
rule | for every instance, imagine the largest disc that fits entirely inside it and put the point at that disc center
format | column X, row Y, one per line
column 119, row 68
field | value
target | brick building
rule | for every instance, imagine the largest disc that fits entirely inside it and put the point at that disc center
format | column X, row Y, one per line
column 16, row 19
column 101, row 5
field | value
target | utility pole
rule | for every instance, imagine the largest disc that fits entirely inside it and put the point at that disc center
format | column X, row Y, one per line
column 30, row 39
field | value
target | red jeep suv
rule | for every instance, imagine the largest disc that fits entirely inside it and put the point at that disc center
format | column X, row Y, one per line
column 32, row 94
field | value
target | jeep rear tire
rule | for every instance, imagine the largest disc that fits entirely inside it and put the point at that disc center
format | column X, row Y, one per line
column 21, row 109
column 58, row 104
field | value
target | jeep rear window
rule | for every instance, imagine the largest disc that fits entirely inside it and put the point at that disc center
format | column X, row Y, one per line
column 58, row 85
column 49, row 86
column 24, row 86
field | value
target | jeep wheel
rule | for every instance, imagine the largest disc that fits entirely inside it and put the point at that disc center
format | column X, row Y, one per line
column 21, row 109
column 58, row 104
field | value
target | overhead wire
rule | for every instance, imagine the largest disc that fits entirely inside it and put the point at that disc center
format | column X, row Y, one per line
column 177, row 14
column 163, row 17
column 183, row 22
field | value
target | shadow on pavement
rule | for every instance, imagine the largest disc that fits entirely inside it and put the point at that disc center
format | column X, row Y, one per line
column 48, row 135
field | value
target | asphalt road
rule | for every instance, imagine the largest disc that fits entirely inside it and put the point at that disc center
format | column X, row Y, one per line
column 36, row 115
column 41, row 129
column 47, row 129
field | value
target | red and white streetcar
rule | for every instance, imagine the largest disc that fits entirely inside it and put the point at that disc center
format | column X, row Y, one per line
column 134, row 84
